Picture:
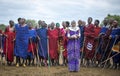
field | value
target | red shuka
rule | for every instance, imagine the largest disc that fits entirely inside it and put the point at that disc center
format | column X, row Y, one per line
column 32, row 48
column 9, row 44
column 53, row 42
column 96, row 41
column 89, row 41
column 0, row 31
column 97, row 31
column 63, row 32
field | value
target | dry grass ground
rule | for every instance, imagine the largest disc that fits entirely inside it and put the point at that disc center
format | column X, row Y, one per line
column 55, row 71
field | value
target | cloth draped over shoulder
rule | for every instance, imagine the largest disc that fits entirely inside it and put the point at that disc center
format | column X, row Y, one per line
column 53, row 42
column 32, row 41
column 9, row 43
column 42, row 42
column 21, row 43
column 89, row 33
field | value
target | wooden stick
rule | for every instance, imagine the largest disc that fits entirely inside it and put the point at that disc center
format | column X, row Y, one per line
column 82, row 50
column 48, row 52
column 96, row 50
column 6, row 49
column 110, row 52
column 110, row 58
column 37, row 59
column 105, row 50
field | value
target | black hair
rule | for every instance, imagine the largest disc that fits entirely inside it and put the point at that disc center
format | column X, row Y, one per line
column 19, row 19
column 11, row 21
column 97, row 21
column 90, row 18
column 68, row 23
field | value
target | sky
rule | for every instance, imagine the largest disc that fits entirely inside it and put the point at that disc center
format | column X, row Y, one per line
column 57, row 10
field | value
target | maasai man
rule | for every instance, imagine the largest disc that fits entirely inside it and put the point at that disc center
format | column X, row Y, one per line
column 64, row 41
column 82, row 32
column 115, row 35
column 59, row 35
column 110, row 22
column 67, row 24
column 46, row 26
column 89, row 34
column 102, row 33
column 42, row 44
column 1, row 40
column 18, row 21
column 59, row 39
column 49, row 26
column 21, row 44
column 83, row 23
column 81, row 26
column 96, row 40
column 17, row 58
column 53, row 41
column 104, row 28
column 73, row 47
column 105, row 45
column 39, row 23
column 1, row 45
column 9, row 42
column 31, row 46
column 58, row 29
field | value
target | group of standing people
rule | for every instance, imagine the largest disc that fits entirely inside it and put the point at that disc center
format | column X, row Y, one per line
column 72, row 45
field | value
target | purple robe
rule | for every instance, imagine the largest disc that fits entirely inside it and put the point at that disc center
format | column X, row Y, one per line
column 73, row 49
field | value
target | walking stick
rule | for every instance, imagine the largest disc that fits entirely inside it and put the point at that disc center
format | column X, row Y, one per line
column 82, row 52
column 37, row 58
column 110, row 57
column 6, row 50
column 48, row 52
column 96, row 50
column 105, row 49
column 61, row 55
column 13, row 48
column 110, row 52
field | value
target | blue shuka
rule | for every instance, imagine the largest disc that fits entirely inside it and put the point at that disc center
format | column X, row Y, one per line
column 103, row 32
column 103, row 29
column 2, row 39
column 32, row 35
column 42, row 43
column 21, row 44
column 82, row 36
column 115, row 31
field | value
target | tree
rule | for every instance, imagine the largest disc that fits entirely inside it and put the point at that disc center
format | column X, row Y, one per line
column 33, row 22
column 116, row 17
column 2, row 27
